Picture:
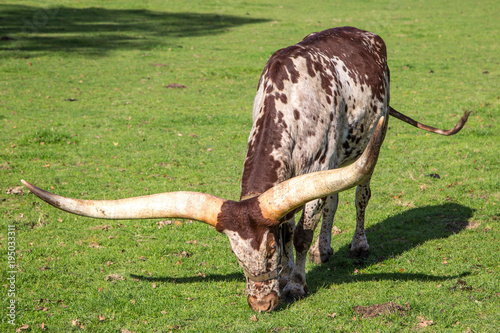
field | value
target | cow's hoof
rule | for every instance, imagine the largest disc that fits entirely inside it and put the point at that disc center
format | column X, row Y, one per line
column 359, row 253
column 294, row 291
column 320, row 258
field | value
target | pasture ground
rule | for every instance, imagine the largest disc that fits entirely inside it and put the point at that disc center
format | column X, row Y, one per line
column 104, row 99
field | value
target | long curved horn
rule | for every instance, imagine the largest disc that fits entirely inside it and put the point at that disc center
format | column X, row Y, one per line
column 284, row 197
column 189, row 205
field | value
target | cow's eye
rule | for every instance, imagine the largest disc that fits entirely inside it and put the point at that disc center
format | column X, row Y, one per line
column 272, row 249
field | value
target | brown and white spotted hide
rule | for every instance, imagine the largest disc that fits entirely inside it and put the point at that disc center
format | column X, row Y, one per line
column 317, row 105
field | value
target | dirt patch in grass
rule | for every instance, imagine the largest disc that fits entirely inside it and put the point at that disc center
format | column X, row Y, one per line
column 176, row 86
column 101, row 227
column 16, row 190
column 457, row 226
column 381, row 309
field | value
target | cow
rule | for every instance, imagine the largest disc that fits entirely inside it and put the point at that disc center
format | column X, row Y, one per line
column 319, row 118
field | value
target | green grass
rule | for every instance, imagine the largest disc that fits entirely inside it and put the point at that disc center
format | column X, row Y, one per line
column 85, row 112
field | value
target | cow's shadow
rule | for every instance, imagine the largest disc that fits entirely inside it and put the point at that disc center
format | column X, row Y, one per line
column 388, row 239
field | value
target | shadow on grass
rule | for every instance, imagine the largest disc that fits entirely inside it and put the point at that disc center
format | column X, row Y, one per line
column 191, row 279
column 99, row 30
column 389, row 238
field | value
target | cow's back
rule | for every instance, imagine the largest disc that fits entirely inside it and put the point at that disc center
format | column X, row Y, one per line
column 316, row 107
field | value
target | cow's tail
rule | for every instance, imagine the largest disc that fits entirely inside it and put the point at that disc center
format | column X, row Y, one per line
column 415, row 123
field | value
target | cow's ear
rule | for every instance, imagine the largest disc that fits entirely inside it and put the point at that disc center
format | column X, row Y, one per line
column 289, row 195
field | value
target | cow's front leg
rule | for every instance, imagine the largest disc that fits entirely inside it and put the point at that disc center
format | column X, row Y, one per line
column 359, row 247
column 322, row 250
column 302, row 238
column 287, row 256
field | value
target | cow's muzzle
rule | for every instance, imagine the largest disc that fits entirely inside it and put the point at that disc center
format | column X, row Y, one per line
column 264, row 304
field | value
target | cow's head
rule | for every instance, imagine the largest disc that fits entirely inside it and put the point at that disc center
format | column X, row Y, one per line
column 251, row 225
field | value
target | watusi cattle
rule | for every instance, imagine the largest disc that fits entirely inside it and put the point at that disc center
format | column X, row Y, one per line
column 319, row 118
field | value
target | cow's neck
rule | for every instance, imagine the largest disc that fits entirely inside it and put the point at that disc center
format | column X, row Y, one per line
column 259, row 174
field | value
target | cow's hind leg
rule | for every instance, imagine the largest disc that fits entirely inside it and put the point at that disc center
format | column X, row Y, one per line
column 359, row 247
column 302, row 239
column 322, row 250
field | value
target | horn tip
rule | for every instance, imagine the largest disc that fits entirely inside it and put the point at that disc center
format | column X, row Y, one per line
column 25, row 183
column 30, row 187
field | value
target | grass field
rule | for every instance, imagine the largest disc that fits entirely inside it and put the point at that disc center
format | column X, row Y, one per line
column 108, row 99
